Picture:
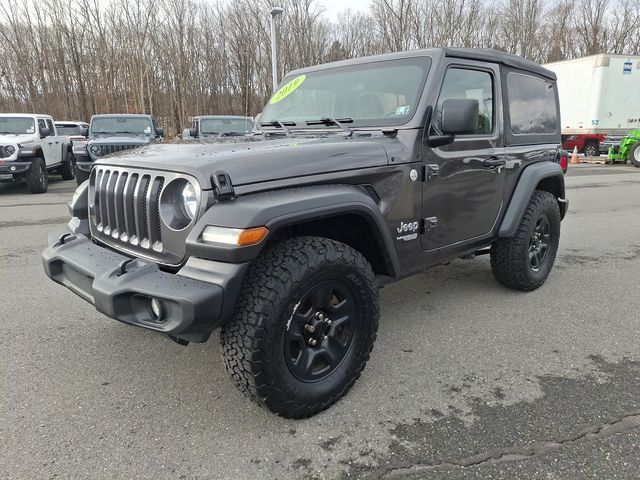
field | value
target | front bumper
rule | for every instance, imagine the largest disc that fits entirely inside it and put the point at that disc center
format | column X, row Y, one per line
column 12, row 168
column 121, row 287
column 84, row 163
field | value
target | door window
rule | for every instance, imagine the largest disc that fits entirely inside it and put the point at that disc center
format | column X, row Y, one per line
column 471, row 84
column 41, row 125
column 50, row 127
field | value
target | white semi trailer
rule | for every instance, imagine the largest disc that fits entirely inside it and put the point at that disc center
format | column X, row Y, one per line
column 599, row 96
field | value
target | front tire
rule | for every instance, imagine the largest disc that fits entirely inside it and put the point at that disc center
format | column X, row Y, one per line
column 37, row 178
column 304, row 326
column 634, row 155
column 81, row 177
column 524, row 261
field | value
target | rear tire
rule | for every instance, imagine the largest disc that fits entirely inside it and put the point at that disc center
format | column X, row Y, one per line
column 634, row 155
column 81, row 177
column 524, row 261
column 37, row 178
column 591, row 149
column 304, row 326
column 68, row 168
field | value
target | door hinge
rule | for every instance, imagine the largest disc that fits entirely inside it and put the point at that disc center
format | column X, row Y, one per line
column 429, row 172
column 428, row 223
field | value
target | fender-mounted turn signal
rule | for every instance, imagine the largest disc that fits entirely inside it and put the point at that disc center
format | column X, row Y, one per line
column 234, row 236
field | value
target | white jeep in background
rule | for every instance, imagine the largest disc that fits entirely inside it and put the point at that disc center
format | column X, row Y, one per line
column 30, row 149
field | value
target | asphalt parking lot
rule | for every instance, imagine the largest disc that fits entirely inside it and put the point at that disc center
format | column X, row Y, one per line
column 467, row 379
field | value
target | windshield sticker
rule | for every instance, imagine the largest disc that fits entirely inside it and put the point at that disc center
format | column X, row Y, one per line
column 402, row 110
column 287, row 89
column 31, row 130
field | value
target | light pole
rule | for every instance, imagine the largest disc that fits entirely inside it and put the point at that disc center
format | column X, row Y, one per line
column 275, row 11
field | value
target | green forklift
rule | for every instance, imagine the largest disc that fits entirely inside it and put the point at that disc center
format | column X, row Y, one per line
column 629, row 149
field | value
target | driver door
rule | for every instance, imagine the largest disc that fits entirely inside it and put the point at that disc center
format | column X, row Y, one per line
column 462, row 195
column 47, row 143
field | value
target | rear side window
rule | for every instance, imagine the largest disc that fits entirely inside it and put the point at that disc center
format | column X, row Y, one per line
column 532, row 105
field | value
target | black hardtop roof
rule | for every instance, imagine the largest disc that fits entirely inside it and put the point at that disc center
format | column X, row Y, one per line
column 479, row 54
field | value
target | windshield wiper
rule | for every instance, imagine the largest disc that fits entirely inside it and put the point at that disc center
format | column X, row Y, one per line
column 333, row 121
column 279, row 124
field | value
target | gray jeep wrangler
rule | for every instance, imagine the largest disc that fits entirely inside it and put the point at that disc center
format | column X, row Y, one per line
column 115, row 133
column 360, row 173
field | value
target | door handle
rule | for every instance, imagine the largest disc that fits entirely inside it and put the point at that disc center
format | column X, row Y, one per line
column 493, row 162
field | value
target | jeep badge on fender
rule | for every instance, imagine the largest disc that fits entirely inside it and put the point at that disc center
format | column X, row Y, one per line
column 283, row 238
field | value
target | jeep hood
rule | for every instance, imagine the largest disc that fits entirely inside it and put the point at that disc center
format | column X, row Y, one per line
column 121, row 139
column 254, row 160
column 13, row 139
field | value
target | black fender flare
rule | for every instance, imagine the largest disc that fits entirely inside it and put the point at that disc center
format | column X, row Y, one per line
column 528, row 181
column 282, row 208
column 67, row 151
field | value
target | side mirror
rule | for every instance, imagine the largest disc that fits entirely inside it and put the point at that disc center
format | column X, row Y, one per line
column 84, row 131
column 460, row 116
column 45, row 132
column 159, row 132
column 193, row 132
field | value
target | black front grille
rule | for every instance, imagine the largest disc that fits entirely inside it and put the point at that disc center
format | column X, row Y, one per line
column 108, row 149
column 124, row 206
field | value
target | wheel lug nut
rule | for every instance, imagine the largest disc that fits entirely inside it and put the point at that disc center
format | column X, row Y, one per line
column 319, row 315
column 310, row 328
column 312, row 341
column 328, row 321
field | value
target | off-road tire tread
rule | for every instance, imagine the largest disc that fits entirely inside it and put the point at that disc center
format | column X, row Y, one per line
column 33, row 185
column 506, row 261
column 275, row 273
column 81, row 177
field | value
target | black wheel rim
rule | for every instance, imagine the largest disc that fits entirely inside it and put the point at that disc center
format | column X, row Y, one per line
column 321, row 330
column 41, row 175
column 539, row 243
column 590, row 151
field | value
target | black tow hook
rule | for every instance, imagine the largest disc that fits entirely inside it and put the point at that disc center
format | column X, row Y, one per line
column 123, row 266
column 63, row 237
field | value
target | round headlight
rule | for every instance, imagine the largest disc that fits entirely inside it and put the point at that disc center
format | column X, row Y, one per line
column 189, row 200
column 179, row 203
column 95, row 149
column 9, row 150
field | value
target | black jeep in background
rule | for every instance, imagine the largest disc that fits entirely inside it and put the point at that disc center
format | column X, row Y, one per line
column 114, row 133
column 360, row 173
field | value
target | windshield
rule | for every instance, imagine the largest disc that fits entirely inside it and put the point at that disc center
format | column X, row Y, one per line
column 17, row 125
column 371, row 94
column 217, row 126
column 131, row 125
column 68, row 129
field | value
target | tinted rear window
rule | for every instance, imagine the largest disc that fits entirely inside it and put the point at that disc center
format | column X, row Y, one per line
column 532, row 105
column 68, row 129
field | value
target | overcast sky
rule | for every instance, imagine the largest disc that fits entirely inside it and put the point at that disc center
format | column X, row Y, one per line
column 334, row 7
